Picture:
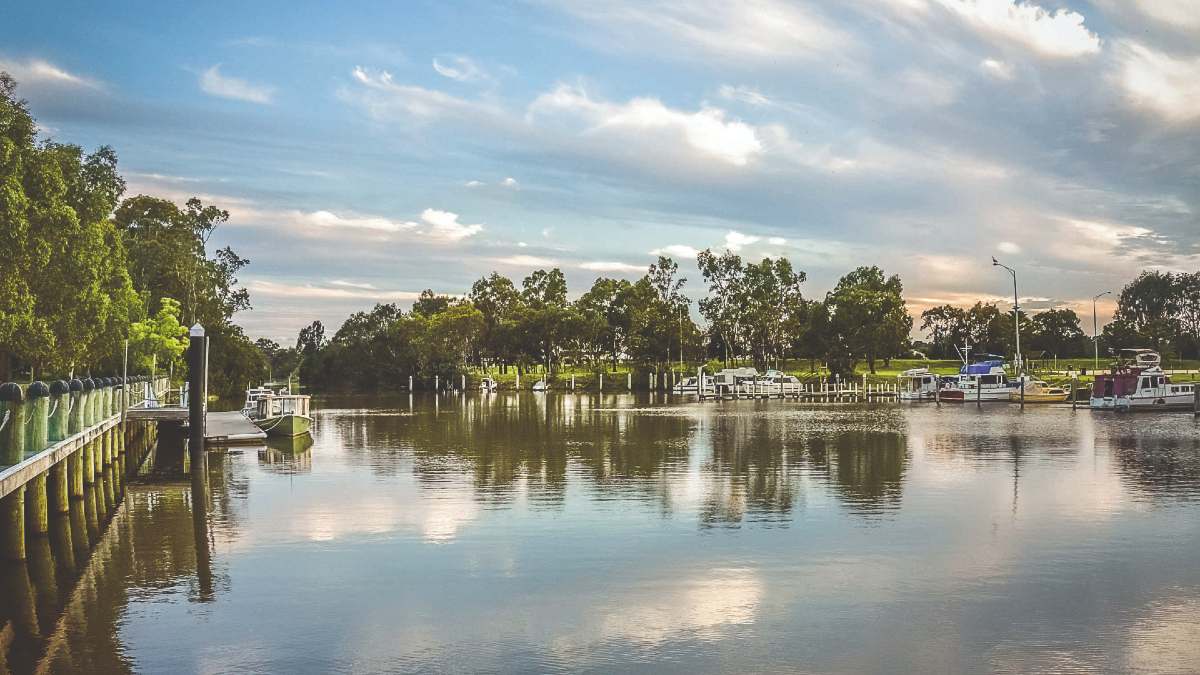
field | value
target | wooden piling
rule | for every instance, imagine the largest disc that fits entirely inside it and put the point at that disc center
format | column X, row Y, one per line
column 12, row 525
column 12, row 415
column 198, row 385
column 75, row 474
column 60, row 489
column 37, row 506
column 75, row 410
column 60, row 405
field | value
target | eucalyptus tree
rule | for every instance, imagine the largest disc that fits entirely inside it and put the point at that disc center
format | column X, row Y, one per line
column 772, row 308
column 497, row 299
column 724, row 275
column 868, row 318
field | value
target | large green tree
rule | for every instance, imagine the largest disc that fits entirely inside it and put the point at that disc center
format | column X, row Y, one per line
column 868, row 315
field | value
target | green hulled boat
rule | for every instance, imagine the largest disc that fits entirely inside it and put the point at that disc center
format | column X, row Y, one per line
column 279, row 413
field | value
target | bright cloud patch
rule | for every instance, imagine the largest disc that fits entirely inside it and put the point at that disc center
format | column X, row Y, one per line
column 736, row 241
column 458, row 68
column 996, row 68
column 212, row 81
column 37, row 71
column 1058, row 34
column 706, row 131
column 444, row 226
column 599, row 266
column 510, row 183
column 1008, row 247
column 333, row 220
column 388, row 97
column 677, row 251
column 525, row 261
column 1162, row 84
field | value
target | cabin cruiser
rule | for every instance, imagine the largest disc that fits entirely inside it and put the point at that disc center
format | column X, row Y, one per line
column 487, row 384
column 1030, row 390
column 688, row 385
column 779, row 382
column 1138, row 382
column 917, row 384
column 735, row 381
column 979, row 381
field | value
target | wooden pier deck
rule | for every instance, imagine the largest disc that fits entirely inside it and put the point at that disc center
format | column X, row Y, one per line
column 220, row 428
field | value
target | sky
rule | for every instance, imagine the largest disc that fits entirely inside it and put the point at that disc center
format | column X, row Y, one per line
column 367, row 151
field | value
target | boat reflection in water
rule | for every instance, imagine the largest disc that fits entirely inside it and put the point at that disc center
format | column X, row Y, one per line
column 550, row 532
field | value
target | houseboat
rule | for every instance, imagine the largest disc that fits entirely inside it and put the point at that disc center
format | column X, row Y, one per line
column 735, row 381
column 779, row 382
column 917, row 384
column 1138, row 382
column 688, row 385
column 488, row 385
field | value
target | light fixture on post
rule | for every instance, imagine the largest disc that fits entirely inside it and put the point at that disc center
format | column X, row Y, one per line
column 1018, row 363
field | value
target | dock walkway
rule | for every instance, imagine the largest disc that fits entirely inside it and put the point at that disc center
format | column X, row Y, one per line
column 220, row 428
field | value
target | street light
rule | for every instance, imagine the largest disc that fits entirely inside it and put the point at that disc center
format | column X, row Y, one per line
column 1016, row 312
column 1096, row 330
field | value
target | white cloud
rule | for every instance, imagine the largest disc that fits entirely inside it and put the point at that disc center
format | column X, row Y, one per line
column 386, row 97
column 459, row 68
column 1162, row 84
column 997, row 68
column 224, row 86
column 1008, row 247
column 444, row 226
column 38, row 71
column 353, row 284
column 474, row 183
column 510, row 183
column 752, row 30
column 735, row 241
column 525, row 261
column 777, row 241
column 1057, row 34
column 332, row 220
column 1178, row 14
column 677, row 251
column 599, row 266
column 925, row 88
column 309, row 291
column 705, row 131
column 743, row 94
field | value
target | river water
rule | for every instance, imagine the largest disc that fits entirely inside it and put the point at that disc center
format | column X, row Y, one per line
column 535, row 533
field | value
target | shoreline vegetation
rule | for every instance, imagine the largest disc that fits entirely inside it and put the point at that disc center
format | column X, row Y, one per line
column 87, row 267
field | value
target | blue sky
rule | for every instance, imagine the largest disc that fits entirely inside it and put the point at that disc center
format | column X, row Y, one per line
column 367, row 151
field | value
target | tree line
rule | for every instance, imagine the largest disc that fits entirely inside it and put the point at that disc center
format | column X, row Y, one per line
column 85, row 269
column 755, row 312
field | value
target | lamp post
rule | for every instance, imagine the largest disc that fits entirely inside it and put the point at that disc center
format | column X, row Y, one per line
column 1020, row 365
column 1096, row 330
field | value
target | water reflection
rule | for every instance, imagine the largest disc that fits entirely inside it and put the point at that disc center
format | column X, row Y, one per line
column 615, row 533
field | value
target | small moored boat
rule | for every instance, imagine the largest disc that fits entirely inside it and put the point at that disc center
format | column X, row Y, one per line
column 1037, row 391
column 1138, row 382
column 541, row 385
column 917, row 384
column 279, row 413
column 487, row 384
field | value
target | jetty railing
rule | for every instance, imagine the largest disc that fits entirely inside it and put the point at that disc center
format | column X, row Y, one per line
column 64, row 441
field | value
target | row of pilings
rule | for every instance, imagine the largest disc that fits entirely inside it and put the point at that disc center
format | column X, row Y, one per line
column 61, row 443
column 66, row 456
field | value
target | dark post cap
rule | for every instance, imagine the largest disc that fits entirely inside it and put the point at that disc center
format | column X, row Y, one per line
column 11, row 391
column 88, row 384
column 76, row 384
column 37, row 389
column 59, row 387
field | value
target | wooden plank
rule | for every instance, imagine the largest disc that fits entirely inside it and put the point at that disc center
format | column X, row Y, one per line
column 13, row 477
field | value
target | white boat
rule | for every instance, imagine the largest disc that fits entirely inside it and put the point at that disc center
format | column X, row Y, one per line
column 917, row 384
column 734, row 381
column 1137, row 382
column 688, row 385
column 278, row 413
column 981, row 381
column 779, row 382
column 541, row 385
column 487, row 384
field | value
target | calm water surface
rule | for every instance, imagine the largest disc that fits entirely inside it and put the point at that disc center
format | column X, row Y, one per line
column 545, row 534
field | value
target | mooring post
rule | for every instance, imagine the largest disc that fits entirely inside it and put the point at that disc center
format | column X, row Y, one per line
column 60, row 406
column 75, row 409
column 37, row 506
column 37, row 420
column 85, row 402
column 1196, row 398
column 518, row 377
column 1074, row 386
column 629, row 380
column 435, row 383
column 410, row 383
column 197, row 393
column 464, row 383
column 601, row 382
column 12, row 419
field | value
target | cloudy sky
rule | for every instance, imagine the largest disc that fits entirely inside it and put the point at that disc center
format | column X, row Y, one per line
column 367, row 151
